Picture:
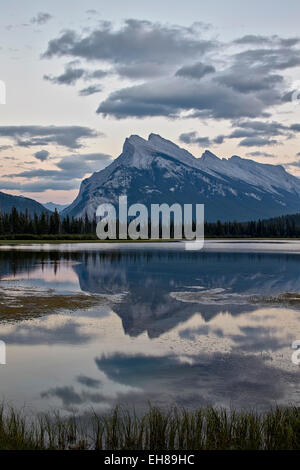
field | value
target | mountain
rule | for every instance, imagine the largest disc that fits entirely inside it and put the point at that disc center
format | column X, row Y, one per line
column 51, row 206
column 157, row 171
column 7, row 202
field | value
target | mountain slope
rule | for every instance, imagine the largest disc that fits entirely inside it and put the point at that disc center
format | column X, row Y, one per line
column 157, row 171
column 51, row 206
column 7, row 202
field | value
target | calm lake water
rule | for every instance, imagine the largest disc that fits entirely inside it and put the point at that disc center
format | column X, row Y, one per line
column 171, row 326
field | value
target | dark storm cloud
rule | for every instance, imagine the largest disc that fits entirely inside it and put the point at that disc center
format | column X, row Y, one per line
column 90, row 90
column 42, row 155
column 65, row 136
column 41, row 18
column 196, row 71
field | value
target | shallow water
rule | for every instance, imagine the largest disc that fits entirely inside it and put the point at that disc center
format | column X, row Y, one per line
column 171, row 326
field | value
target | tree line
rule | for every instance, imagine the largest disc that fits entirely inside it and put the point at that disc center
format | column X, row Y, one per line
column 23, row 225
column 18, row 223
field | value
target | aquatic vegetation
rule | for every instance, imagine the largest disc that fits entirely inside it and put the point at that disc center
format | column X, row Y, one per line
column 19, row 303
column 177, row 429
column 286, row 298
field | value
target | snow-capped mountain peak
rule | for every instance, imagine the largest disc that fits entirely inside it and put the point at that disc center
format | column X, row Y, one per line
column 157, row 170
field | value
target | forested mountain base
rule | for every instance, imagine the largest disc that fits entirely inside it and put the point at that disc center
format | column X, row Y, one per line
column 22, row 226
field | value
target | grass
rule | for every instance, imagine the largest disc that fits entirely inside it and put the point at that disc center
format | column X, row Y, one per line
column 202, row 429
column 286, row 298
column 23, row 303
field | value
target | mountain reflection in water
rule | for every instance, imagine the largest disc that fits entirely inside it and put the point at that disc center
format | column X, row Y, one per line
column 171, row 327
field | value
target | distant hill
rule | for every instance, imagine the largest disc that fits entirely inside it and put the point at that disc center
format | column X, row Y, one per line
column 157, row 171
column 52, row 206
column 7, row 202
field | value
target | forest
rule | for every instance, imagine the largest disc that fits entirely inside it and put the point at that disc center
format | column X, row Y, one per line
column 23, row 226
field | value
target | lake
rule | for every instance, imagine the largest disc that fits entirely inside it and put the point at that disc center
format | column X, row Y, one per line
column 89, row 325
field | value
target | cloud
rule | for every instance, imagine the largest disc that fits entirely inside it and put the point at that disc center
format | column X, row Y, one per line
column 136, row 46
column 261, row 133
column 98, row 73
column 192, row 138
column 260, row 154
column 70, row 171
column 268, row 60
column 5, row 147
column 197, row 70
column 38, row 186
column 69, row 77
column 90, row 90
column 244, row 81
column 70, row 397
column 41, row 18
column 254, row 39
column 42, row 155
column 65, row 136
column 73, row 73
column 249, row 81
column 92, row 12
column 252, row 133
column 295, row 163
column 88, row 381
column 171, row 97
column 257, row 142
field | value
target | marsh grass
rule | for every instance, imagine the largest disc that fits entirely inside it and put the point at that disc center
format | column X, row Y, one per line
column 16, row 304
column 178, row 429
column 286, row 298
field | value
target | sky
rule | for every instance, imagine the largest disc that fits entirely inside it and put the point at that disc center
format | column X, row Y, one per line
column 80, row 77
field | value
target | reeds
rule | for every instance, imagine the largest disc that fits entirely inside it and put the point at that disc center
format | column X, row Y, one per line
column 178, row 429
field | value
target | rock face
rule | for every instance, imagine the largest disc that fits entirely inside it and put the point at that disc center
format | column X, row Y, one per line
column 157, row 171
column 7, row 202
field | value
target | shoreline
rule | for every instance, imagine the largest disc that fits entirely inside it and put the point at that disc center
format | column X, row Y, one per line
column 97, row 241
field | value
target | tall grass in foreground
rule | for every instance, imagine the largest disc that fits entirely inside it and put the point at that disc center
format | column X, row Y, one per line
column 202, row 429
